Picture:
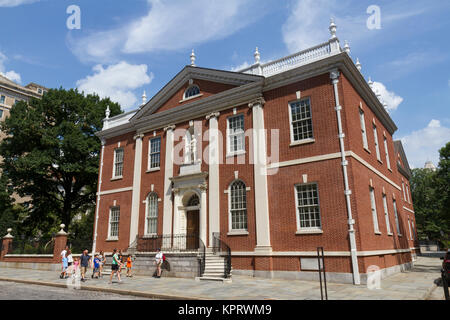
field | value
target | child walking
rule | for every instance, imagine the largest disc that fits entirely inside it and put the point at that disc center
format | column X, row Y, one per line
column 129, row 266
column 96, row 270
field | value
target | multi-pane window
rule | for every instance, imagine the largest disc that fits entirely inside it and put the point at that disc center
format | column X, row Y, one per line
column 118, row 162
column 114, row 217
column 409, row 227
column 155, row 153
column 308, row 206
column 192, row 91
column 363, row 129
column 1, row 114
column 403, row 187
column 386, row 214
column 2, row 99
column 414, row 230
column 396, row 217
column 238, row 205
column 374, row 211
column 236, row 134
column 387, row 153
column 377, row 147
column 152, row 213
column 407, row 193
column 301, row 120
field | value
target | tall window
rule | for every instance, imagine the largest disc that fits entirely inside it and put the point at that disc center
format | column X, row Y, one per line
column 238, row 205
column 407, row 192
column 414, row 230
column 404, row 194
column 374, row 211
column 396, row 217
column 236, row 134
column 155, row 153
column 308, row 211
column 118, row 162
column 387, row 153
column 2, row 99
column 301, row 120
column 191, row 91
column 386, row 214
column 377, row 147
column 363, row 129
column 152, row 214
column 409, row 227
column 114, row 216
column 1, row 114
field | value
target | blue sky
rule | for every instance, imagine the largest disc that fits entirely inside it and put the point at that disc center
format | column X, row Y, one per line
column 125, row 47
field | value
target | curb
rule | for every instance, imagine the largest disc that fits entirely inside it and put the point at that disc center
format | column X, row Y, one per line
column 107, row 290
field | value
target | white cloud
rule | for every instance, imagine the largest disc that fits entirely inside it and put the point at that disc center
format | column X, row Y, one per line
column 168, row 25
column 116, row 82
column 392, row 100
column 15, row 3
column 11, row 74
column 424, row 144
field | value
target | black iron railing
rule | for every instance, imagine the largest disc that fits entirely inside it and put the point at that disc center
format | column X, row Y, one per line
column 78, row 245
column 23, row 245
column 221, row 248
column 169, row 243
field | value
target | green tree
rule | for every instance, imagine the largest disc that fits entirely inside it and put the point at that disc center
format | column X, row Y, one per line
column 51, row 154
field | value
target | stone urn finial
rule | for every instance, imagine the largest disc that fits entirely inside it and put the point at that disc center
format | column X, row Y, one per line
column 8, row 236
column 62, row 226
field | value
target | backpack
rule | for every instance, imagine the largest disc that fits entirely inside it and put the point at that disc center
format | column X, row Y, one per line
column 164, row 257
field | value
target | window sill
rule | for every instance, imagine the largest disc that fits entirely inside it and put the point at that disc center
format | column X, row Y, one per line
column 150, row 236
column 116, row 178
column 311, row 231
column 390, row 170
column 301, row 142
column 153, row 170
column 367, row 150
column 378, row 233
column 237, row 233
column 112, row 239
column 234, row 154
column 190, row 98
column 380, row 161
column 390, row 234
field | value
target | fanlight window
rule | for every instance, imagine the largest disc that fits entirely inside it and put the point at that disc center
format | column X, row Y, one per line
column 191, row 91
column 193, row 201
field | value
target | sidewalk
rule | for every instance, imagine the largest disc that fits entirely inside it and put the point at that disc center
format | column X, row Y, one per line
column 417, row 284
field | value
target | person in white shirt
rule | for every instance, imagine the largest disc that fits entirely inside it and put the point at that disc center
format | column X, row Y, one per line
column 158, row 262
column 63, row 258
column 69, row 262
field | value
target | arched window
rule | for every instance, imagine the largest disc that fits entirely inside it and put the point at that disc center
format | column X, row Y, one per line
column 152, row 214
column 191, row 91
column 238, row 205
column 193, row 201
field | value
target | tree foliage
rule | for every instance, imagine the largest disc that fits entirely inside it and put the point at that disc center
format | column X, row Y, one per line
column 51, row 154
column 431, row 198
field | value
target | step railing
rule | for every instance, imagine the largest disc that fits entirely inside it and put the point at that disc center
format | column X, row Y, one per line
column 221, row 248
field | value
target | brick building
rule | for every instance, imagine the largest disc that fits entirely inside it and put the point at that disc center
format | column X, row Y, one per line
column 193, row 161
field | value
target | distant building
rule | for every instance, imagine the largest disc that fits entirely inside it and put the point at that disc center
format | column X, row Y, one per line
column 430, row 165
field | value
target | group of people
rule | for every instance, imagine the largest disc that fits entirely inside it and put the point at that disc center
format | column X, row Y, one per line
column 77, row 266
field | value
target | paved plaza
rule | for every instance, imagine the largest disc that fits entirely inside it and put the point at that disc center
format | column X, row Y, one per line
column 416, row 284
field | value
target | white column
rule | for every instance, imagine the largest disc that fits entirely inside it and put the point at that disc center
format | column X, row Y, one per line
column 214, row 158
column 94, row 243
column 168, row 173
column 134, row 222
column 203, row 199
column 260, row 172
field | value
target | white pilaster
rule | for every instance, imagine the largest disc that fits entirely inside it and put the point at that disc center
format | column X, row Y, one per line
column 134, row 222
column 203, row 211
column 260, row 172
column 99, row 190
column 168, row 173
column 214, row 158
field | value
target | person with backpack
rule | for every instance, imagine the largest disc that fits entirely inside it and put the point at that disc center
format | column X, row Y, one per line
column 159, row 259
column 115, row 264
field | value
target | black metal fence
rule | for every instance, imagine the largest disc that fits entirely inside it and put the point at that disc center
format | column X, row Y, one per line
column 23, row 245
column 79, row 245
column 169, row 243
column 219, row 246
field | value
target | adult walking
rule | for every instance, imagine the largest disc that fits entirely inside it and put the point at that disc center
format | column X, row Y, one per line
column 69, row 263
column 158, row 261
column 115, row 265
column 84, row 262
column 102, row 259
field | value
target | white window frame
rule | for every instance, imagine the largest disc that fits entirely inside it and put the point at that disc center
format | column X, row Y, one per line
column 194, row 96
column 147, row 214
column 150, row 153
column 301, row 229
column 230, row 135
column 409, row 226
column 363, row 129
column 291, row 123
column 387, row 154
column 397, row 223
column 386, row 215
column 4, row 99
column 407, row 192
column 110, row 222
column 404, row 193
column 375, row 138
column 373, row 206
column 230, row 219
column 115, row 176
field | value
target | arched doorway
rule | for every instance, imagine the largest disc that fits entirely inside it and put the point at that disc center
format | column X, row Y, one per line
column 193, row 222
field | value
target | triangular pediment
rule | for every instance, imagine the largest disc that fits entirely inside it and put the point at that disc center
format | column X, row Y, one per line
column 210, row 80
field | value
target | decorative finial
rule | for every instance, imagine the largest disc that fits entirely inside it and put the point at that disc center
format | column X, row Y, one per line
column 257, row 56
column 193, row 57
column 332, row 29
column 107, row 112
column 358, row 65
column 144, row 98
column 347, row 47
column 62, row 226
column 385, row 106
column 8, row 236
column 370, row 82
